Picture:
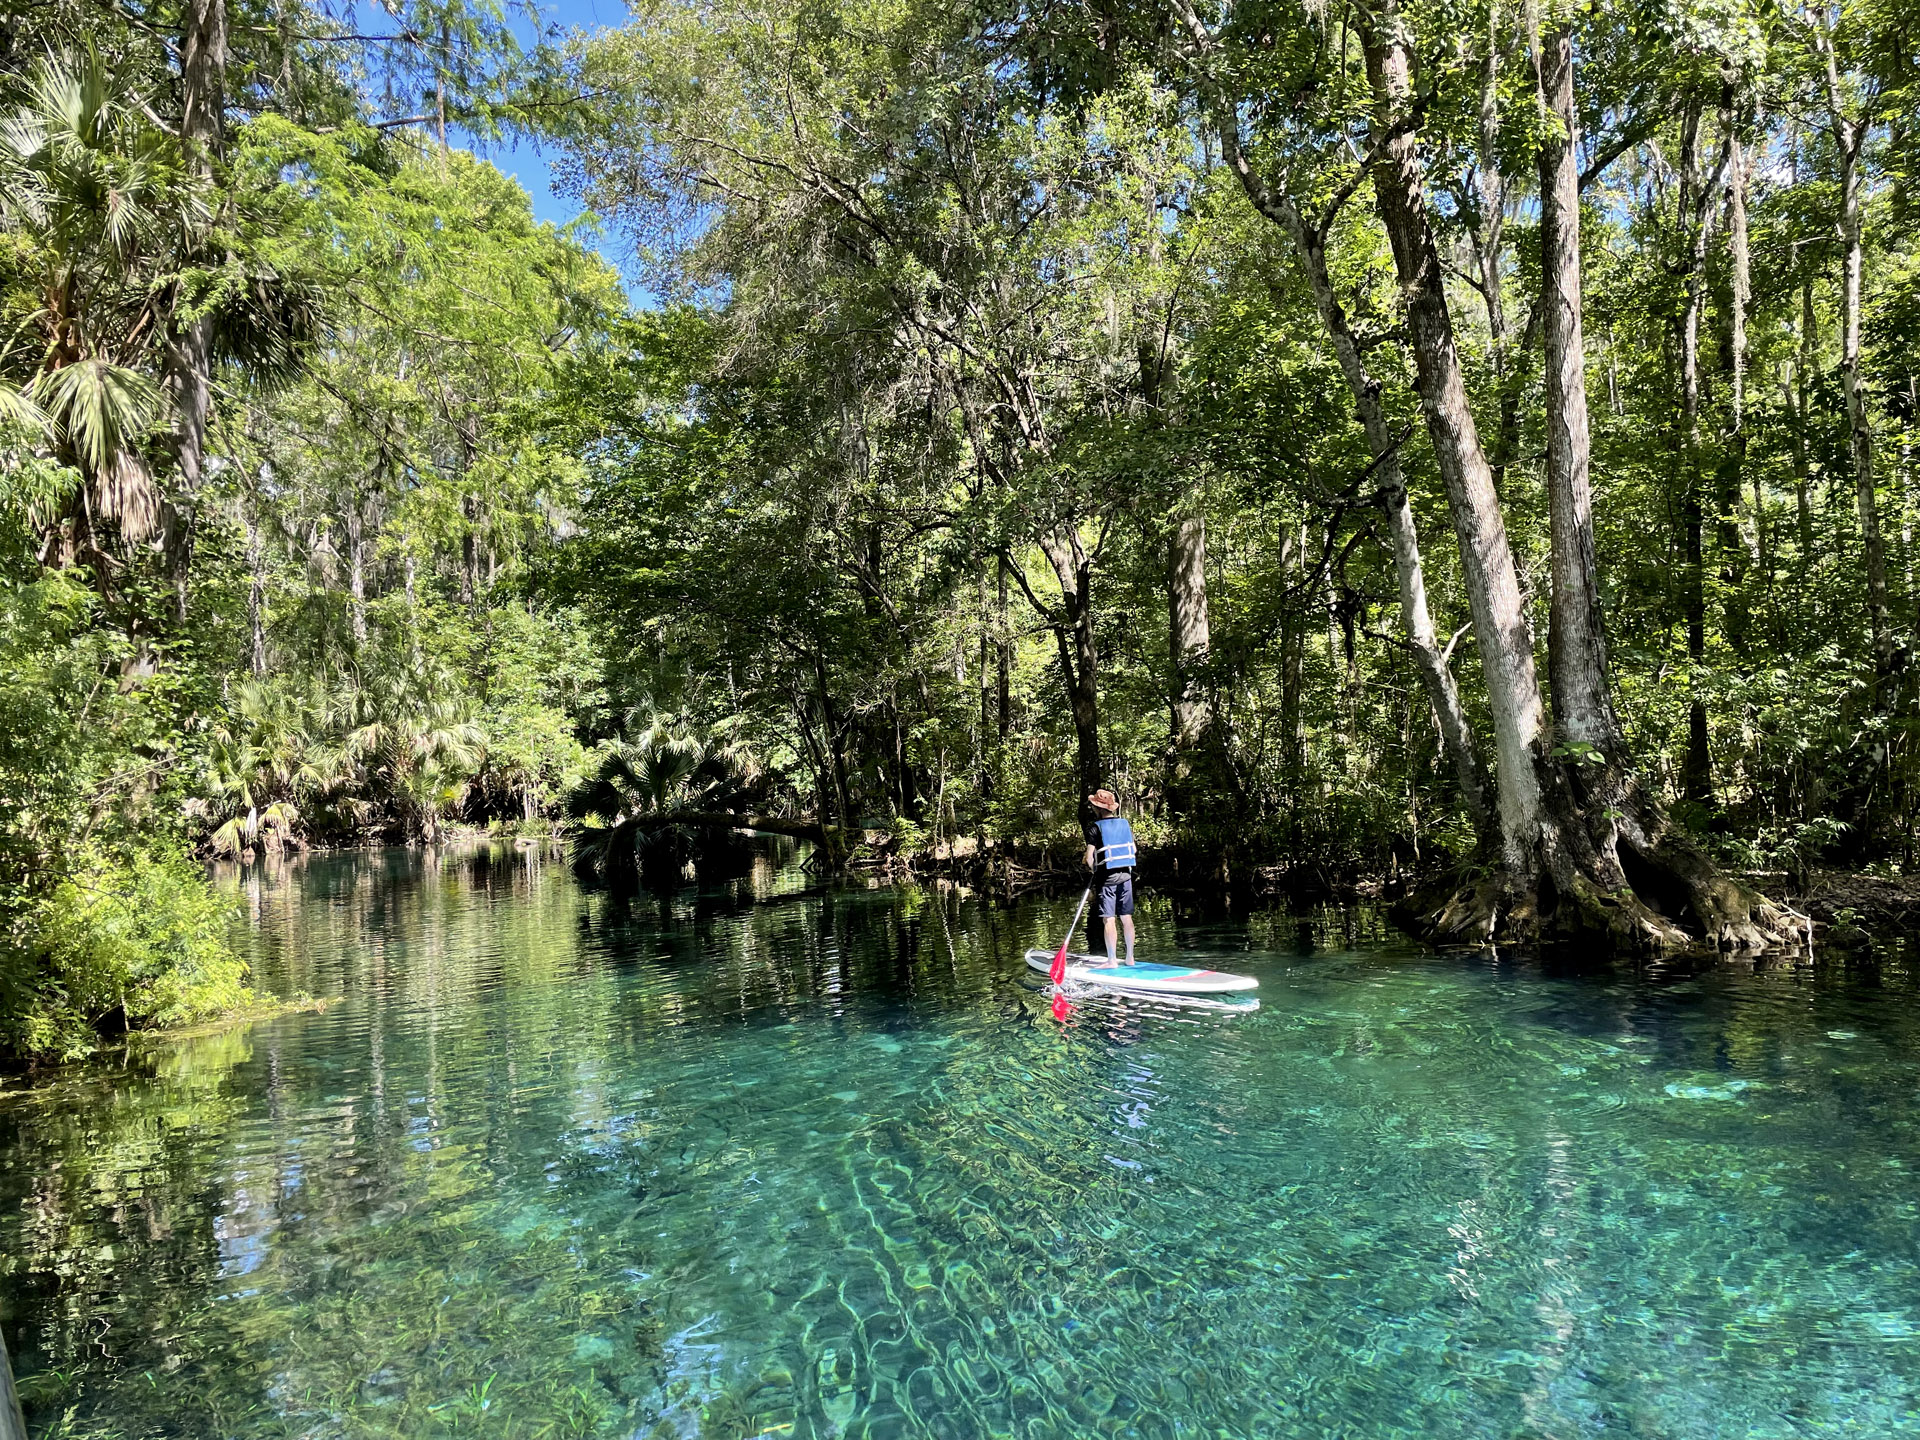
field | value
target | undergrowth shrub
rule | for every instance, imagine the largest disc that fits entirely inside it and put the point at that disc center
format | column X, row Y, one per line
column 134, row 943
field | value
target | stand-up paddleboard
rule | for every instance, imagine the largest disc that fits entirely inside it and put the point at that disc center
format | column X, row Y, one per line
column 1240, row 1004
column 1144, row 976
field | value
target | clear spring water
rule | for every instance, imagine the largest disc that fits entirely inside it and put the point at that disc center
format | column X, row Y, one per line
column 768, row 1160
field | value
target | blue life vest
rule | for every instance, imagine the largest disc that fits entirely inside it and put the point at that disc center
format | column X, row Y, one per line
column 1115, row 851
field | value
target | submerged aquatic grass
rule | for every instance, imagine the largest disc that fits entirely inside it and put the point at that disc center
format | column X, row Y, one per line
column 782, row 1160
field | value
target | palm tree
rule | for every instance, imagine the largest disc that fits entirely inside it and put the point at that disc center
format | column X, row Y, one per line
column 113, row 231
column 409, row 739
column 255, row 771
column 104, row 211
column 641, row 784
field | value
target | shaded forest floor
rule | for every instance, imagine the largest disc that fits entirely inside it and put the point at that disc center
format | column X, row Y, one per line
column 1852, row 905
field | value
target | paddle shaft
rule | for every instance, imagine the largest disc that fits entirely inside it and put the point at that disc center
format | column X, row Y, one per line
column 1058, row 973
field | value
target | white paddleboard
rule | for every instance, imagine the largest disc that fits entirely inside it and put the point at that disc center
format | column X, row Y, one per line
column 1144, row 976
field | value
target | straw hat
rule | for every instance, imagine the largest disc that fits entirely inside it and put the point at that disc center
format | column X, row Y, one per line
column 1103, row 800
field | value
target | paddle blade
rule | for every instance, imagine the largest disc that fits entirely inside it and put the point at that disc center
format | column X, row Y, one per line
column 1061, row 1009
column 1057, row 974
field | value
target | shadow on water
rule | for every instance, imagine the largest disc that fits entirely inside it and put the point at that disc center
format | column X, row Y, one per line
column 766, row 1156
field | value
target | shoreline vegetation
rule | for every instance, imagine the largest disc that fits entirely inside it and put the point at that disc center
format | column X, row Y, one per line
column 1464, row 452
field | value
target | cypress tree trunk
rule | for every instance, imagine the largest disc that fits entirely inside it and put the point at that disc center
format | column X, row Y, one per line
column 1560, row 831
column 1189, row 628
column 1431, row 661
column 1560, row 867
column 1486, row 558
column 1576, row 637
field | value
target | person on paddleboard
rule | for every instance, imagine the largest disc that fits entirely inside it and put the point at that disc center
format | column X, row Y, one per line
column 1111, row 855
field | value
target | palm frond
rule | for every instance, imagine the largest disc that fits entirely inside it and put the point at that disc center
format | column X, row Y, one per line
column 100, row 410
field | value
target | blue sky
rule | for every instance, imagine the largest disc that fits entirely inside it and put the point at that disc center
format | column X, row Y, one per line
column 522, row 160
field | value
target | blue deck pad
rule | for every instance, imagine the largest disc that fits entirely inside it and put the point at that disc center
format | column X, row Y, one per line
column 1146, row 970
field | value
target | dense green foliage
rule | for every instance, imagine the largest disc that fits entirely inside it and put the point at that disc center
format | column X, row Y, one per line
column 318, row 629
column 978, row 440
column 998, row 319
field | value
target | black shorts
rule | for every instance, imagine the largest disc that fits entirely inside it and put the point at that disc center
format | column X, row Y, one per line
column 1116, row 895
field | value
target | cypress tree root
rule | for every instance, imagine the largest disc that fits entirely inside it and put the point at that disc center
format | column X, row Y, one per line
column 1614, row 871
column 1716, row 911
column 1729, row 914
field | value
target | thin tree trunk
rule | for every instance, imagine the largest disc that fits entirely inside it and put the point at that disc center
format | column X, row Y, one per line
column 1493, row 196
column 356, row 578
column 817, row 756
column 1489, row 238
column 1078, row 657
column 1293, row 648
column 1741, row 254
column 189, row 359
column 1798, row 396
column 1003, row 656
column 469, row 555
column 1696, row 215
column 1576, row 636
column 13, row 1424
column 413, row 610
column 1696, row 766
column 440, row 94
column 1734, row 552
column 831, row 736
column 1188, row 624
column 256, row 598
column 983, row 772
column 1487, row 566
column 1850, row 136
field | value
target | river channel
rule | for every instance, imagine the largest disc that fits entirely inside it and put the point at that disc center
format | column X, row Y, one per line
column 781, row 1158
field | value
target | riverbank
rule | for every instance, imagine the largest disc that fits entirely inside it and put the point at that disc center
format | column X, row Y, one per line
column 1848, row 907
column 1854, row 906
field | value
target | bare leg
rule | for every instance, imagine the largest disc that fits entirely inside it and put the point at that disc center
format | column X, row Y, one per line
column 1108, row 922
column 1126, row 924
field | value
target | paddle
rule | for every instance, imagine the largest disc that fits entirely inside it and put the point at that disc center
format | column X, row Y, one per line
column 1057, row 974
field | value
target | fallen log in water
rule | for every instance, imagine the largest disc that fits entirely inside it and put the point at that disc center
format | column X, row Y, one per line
column 799, row 827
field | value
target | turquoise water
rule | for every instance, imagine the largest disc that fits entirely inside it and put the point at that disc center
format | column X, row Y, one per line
column 789, row 1161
